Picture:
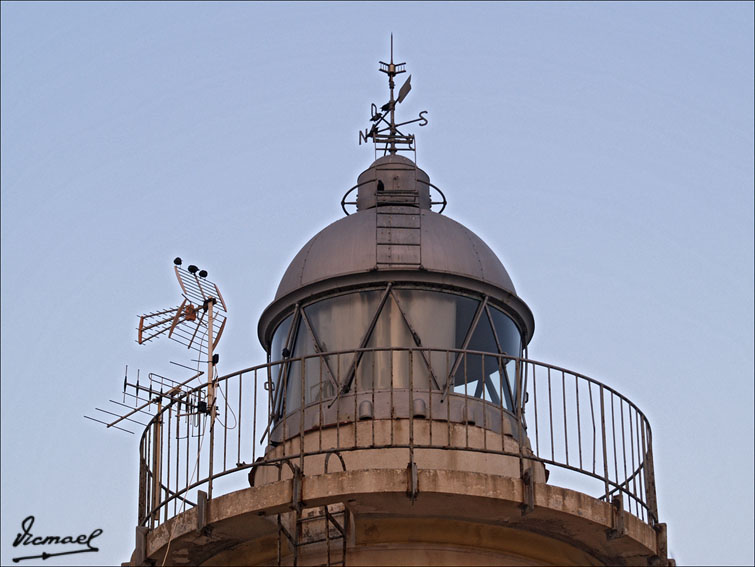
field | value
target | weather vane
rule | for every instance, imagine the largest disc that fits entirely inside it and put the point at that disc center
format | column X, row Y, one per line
column 384, row 131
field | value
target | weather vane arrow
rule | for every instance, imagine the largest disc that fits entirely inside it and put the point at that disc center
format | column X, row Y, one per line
column 384, row 131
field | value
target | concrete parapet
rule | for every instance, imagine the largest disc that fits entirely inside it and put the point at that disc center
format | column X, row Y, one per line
column 457, row 517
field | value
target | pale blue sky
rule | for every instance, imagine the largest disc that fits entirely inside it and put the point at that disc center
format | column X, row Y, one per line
column 604, row 151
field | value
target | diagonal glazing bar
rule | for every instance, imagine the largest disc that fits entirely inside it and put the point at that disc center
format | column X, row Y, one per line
column 289, row 346
column 470, row 332
column 501, row 365
column 278, row 388
column 365, row 339
column 319, row 348
column 417, row 340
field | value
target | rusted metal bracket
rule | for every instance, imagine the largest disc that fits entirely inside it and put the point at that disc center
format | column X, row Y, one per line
column 412, row 485
column 140, row 550
column 201, row 511
column 528, row 485
column 617, row 518
column 661, row 546
column 340, row 458
column 296, row 486
column 259, row 463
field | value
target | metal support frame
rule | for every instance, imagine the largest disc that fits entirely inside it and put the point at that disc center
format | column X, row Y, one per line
column 661, row 546
column 154, row 505
column 297, row 507
column 201, row 511
column 412, row 477
column 528, row 492
column 342, row 530
column 618, row 527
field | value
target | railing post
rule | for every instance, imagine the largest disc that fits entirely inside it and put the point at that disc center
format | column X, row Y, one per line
column 142, row 511
column 201, row 511
column 519, row 401
column 156, row 465
column 526, row 476
column 618, row 527
column 603, row 436
column 518, row 397
column 412, row 488
column 652, row 502
column 524, row 387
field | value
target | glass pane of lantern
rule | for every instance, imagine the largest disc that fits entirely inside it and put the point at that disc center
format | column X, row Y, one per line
column 279, row 339
column 478, row 375
column 441, row 320
column 303, row 345
column 379, row 368
column 340, row 324
column 508, row 334
column 276, row 354
column 511, row 344
column 307, row 369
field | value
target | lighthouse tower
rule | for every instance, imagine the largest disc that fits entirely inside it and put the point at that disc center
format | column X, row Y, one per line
column 398, row 419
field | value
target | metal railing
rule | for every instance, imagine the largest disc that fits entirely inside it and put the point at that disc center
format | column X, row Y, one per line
column 595, row 439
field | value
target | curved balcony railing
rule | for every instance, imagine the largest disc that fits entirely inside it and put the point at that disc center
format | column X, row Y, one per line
column 593, row 438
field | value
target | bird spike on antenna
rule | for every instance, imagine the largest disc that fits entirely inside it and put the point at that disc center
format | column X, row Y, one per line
column 384, row 132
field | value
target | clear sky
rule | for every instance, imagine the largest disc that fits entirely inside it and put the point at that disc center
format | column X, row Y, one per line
column 604, row 151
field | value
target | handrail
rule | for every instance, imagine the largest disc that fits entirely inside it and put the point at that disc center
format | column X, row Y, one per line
column 344, row 202
column 572, row 422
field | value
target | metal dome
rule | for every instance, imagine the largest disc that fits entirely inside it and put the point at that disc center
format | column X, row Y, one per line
column 349, row 246
column 394, row 237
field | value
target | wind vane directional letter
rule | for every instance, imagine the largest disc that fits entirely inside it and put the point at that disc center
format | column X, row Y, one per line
column 384, row 132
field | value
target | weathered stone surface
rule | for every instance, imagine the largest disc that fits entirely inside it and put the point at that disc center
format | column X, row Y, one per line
column 458, row 517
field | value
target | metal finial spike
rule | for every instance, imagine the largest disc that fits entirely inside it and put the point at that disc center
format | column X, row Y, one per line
column 391, row 47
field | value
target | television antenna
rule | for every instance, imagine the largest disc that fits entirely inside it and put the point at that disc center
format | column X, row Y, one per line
column 197, row 323
column 154, row 391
